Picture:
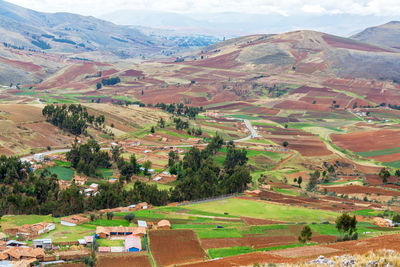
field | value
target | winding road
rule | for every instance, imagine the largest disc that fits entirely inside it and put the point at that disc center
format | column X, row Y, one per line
column 253, row 133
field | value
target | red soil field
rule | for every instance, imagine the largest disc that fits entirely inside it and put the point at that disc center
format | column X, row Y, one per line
column 368, row 141
column 351, row 44
column 303, row 254
column 70, row 74
column 227, row 61
column 298, row 105
column 175, row 247
column 133, row 73
column 27, row 66
column 122, row 260
column 355, row 189
column 255, row 242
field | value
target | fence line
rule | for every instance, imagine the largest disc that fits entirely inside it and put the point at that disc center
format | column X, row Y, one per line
column 203, row 200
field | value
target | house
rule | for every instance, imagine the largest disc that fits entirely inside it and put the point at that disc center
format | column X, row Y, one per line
column 163, row 224
column 254, row 193
column 79, row 180
column 142, row 206
column 38, row 157
column 105, row 232
column 64, row 184
column 82, row 242
column 142, row 224
column 31, row 230
column 112, row 180
column 104, row 249
column 94, row 186
column 88, row 239
column 46, row 244
column 133, row 243
column 20, row 253
column 383, row 222
column 74, row 220
column 15, row 243
column 88, row 192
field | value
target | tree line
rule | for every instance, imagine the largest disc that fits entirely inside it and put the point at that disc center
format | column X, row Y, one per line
column 180, row 109
column 73, row 118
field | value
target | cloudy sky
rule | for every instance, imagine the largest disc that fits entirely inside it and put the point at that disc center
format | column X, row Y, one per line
column 282, row 7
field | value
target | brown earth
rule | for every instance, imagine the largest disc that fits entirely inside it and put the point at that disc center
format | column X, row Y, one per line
column 123, row 260
column 368, row 140
column 175, row 247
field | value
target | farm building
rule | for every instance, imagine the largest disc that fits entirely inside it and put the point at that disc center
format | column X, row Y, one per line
column 254, row 193
column 104, row 249
column 20, row 253
column 142, row 206
column 95, row 187
column 79, row 180
column 31, row 230
column 88, row 239
column 46, row 244
column 38, row 157
column 105, row 232
column 383, row 222
column 15, row 243
column 164, row 224
column 74, row 220
column 142, row 224
column 64, row 184
column 133, row 243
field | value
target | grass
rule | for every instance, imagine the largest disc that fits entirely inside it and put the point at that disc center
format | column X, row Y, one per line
column 105, row 222
column 242, row 116
column 63, row 173
column 367, row 212
column 110, row 243
column 393, row 164
column 63, row 163
column 70, row 233
column 379, row 152
column 218, row 233
column 262, row 210
column 9, row 221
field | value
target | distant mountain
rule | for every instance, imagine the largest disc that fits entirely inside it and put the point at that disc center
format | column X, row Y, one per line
column 71, row 33
column 303, row 52
column 234, row 24
column 387, row 35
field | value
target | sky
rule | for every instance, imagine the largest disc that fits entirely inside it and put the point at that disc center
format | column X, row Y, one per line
column 281, row 7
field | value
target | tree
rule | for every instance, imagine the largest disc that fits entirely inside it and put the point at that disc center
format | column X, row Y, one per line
column 116, row 152
column 98, row 86
column 110, row 215
column 384, row 174
column 161, row 123
column 305, row 235
column 147, row 165
column 299, row 181
column 92, row 217
column 347, row 225
column 152, row 130
column 397, row 173
column 285, row 143
column 396, row 218
column 129, row 217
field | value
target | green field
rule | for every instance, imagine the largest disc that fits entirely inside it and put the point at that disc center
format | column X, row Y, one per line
column 379, row 152
column 62, row 173
column 9, row 221
column 262, row 210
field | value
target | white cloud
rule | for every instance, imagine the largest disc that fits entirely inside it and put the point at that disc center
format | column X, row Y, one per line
column 317, row 9
column 283, row 7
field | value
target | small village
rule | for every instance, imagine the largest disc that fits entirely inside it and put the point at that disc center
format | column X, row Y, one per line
column 25, row 245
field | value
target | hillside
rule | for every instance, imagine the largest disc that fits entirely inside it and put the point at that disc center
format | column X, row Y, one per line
column 306, row 52
column 386, row 35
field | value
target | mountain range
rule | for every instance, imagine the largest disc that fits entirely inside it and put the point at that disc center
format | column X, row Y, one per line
column 36, row 45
